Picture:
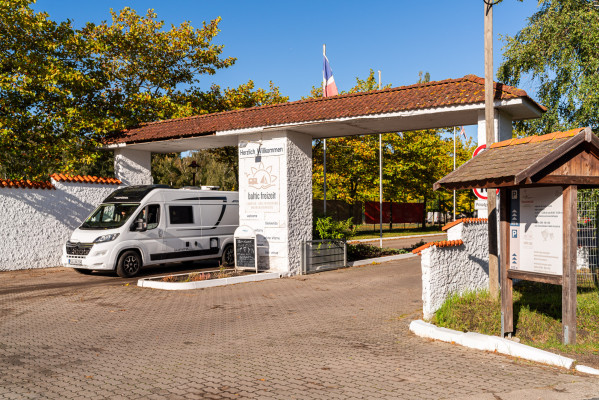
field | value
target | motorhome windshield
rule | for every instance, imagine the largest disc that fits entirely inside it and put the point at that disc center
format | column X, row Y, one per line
column 109, row 216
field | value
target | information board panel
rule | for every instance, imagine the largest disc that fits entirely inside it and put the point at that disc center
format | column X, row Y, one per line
column 536, row 230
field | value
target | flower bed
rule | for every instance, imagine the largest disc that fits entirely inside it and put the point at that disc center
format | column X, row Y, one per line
column 201, row 276
column 204, row 279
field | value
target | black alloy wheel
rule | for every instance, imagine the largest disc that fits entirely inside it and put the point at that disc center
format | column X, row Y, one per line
column 129, row 264
column 228, row 257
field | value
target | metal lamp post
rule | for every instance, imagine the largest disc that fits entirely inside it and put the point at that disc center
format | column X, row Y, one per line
column 195, row 167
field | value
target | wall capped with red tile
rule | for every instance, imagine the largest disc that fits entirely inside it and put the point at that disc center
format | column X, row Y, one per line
column 37, row 218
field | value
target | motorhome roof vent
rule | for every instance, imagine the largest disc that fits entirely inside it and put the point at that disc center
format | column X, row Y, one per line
column 190, row 188
column 210, row 187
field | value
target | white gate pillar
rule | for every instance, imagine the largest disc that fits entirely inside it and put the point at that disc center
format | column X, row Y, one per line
column 133, row 167
column 275, row 196
column 503, row 127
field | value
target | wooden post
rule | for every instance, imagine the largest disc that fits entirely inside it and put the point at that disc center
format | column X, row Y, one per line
column 569, row 277
column 490, row 133
column 507, row 303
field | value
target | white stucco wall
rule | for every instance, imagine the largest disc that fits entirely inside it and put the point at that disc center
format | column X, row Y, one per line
column 36, row 223
column 455, row 269
column 133, row 167
column 299, row 197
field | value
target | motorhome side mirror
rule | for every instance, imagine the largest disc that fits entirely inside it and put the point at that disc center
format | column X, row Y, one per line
column 140, row 225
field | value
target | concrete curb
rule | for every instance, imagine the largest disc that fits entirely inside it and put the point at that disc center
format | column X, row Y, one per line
column 493, row 344
column 587, row 370
column 380, row 260
column 152, row 283
column 394, row 238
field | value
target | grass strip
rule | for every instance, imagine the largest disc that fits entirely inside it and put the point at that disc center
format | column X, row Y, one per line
column 537, row 316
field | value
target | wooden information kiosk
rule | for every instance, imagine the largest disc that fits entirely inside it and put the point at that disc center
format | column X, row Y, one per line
column 538, row 178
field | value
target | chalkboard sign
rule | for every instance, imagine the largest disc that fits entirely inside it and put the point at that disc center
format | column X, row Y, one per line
column 245, row 253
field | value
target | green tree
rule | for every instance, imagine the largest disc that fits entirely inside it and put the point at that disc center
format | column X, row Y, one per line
column 39, row 87
column 62, row 90
column 171, row 169
column 558, row 51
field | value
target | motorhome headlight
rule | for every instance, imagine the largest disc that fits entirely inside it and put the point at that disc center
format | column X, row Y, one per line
column 106, row 238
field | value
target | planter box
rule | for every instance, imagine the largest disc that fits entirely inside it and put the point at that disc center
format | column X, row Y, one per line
column 158, row 283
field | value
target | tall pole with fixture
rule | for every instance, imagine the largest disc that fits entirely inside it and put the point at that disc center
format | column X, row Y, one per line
column 490, row 139
column 380, row 181
column 324, row 149
column 454, row 128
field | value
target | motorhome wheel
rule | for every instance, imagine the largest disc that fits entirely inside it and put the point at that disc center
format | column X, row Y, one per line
column 129, row 264
column 228, row 258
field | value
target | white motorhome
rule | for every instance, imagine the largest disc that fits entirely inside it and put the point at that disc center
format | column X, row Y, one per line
column 154, row 224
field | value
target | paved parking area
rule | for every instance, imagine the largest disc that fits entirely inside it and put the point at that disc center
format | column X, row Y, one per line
column 335, row 335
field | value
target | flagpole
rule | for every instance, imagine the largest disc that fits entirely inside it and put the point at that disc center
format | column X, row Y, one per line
column 380, row 181
column 454, row 170
column 324, row 148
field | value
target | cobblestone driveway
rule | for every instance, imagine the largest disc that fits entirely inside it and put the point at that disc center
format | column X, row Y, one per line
column 335, row 335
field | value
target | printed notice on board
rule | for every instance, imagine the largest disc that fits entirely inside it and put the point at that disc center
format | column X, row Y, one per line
column 536, row 230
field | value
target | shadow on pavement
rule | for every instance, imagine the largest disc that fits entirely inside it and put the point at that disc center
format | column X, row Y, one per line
column 72, row 279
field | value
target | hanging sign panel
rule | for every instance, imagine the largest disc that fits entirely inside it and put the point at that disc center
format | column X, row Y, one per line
column 536, row 230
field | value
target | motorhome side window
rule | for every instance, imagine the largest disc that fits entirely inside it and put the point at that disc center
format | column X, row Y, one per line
column 150, row 215
column 180, row 215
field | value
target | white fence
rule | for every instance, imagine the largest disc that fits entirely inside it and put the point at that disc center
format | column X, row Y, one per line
column 35, row 223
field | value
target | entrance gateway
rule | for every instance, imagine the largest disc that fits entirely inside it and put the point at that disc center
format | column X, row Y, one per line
column 275, row 147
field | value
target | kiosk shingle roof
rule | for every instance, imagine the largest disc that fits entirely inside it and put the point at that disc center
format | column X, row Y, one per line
column 512, row 162
column 449, row 92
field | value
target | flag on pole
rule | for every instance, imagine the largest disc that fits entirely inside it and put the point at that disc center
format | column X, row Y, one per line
column 463, row 132
column 329, row 87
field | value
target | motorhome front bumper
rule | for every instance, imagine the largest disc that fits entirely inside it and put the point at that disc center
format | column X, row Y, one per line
column 86, row 256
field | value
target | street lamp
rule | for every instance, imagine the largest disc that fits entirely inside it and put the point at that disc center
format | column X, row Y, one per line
column 195, row 167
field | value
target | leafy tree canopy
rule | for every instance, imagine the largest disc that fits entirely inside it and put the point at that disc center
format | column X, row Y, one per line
column 62, row 89
column 559, row 52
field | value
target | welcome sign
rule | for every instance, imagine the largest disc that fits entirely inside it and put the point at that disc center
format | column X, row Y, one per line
column 260, row 167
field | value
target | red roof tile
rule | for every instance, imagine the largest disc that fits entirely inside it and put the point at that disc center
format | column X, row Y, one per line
column 449, row 92
column 25, row 184
column 443, row 243
column 85, row 179
column 466, row 221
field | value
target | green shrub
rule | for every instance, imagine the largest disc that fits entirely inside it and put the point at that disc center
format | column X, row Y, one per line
column 327, row 228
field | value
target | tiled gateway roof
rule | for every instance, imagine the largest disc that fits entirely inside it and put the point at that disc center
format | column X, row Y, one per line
column 450, row 92
column 85, row 179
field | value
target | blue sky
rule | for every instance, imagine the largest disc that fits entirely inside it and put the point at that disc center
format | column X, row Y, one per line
column 282, row 40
